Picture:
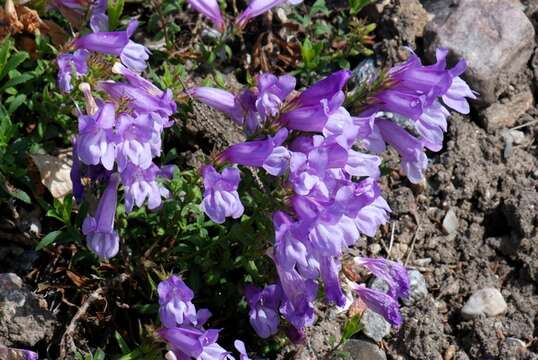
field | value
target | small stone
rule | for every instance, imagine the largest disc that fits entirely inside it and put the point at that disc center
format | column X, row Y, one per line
column 495, row 38
column 518, row 137
column 506, row 114
column 374, row 248
column 375, row 326
column 363, row 350
column 450, row 222
column 23, row 319
column 418, row 289
column 487, row 301
column 515, row 343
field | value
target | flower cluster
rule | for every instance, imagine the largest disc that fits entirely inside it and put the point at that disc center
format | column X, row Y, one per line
column 183, row 326
column 211, row 9
column 327, row 164
column 120, row 130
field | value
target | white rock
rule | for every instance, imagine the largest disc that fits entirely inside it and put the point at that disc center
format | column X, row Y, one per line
column 487, row 301
column 450, row 222
column 418, row 289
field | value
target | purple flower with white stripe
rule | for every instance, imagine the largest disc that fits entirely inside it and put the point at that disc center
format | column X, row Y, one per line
column 393, row 273
column 263, row 313
column 211, row 9
column 69, row 64
column 175, row 300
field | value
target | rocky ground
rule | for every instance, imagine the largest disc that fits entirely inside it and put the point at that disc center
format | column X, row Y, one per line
column 469, row 235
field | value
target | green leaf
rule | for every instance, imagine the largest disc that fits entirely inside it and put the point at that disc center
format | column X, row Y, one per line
column 99, row 354
column 115, row 9
column 307, row 52
column 121, row 343
column 4, row 52
column 48, row 239
column 14, row 102
column 351, row 327
column 355, row 6
column 13, row 62
column 21, row 195
column 16, row 81
column 319, row 7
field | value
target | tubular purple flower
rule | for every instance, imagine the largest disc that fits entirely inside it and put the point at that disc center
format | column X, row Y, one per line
column 69, row 64
column 263, row 313
column 141, row 184
column 218, row 99
column 455, row 97
column 134, row 144
column 311, row 109
column 175, row 300
column 254, row 153
column 258, row 7
column 101, row 237
column 211, row 9
column 117, row 43
column 272, row 91
column 299, row 293
column 413, row 158
column 380, row 303
column 99, row 19
column 7, row 353
column 75, row 175
column 95, row 142
column 240, row 346
column 330, row 269
column 191, row 342
column 360, row 164
column 393, row 273
column 221, row 199
column 289, row 251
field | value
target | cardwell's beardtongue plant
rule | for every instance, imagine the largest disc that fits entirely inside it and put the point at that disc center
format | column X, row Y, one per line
column 184, row 327
column 326, row 164
column 120, row 131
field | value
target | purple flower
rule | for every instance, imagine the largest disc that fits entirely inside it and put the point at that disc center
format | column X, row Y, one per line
column 69, row 64
column 211, row 9
column 218, row 99
column 263, row 313
column 411, row 150
column 75, row 175
column 329, row 270
column 380, row 303
column 143, row 96
column 175, row 303
column 193, row 342
column 260, row 153
column 312, row 108
column 272, row 91
column 393, row 273
column 258, row 7
column 221, row 199
column 117, row 43
column 371, row 216
column 240, row 346
column 289, row 250
column 95, row 142
column 456, row 95
column 141, row 184
column 99, row 19
column 99, row 230
column 135, row 135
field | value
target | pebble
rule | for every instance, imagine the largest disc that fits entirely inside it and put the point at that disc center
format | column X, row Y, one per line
column 487, row 301
column 364, row 350
column 517, row 136
column 450, row 222
column 505, row 115
column 375, row 326
column 515, row 342
column 418, row 289
column 374, row 248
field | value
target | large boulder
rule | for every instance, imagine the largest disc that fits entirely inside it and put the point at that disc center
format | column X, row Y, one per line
column 495, row 37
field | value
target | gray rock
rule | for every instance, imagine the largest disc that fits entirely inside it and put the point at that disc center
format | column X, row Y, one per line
column 515, row 343
column 379, row 285
column 24, row 319
column 363, row 350
column 418, row 289
column 375, row 326
column 450, row 222
column 494, row 37
column 503, row 115
column 488, row 302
